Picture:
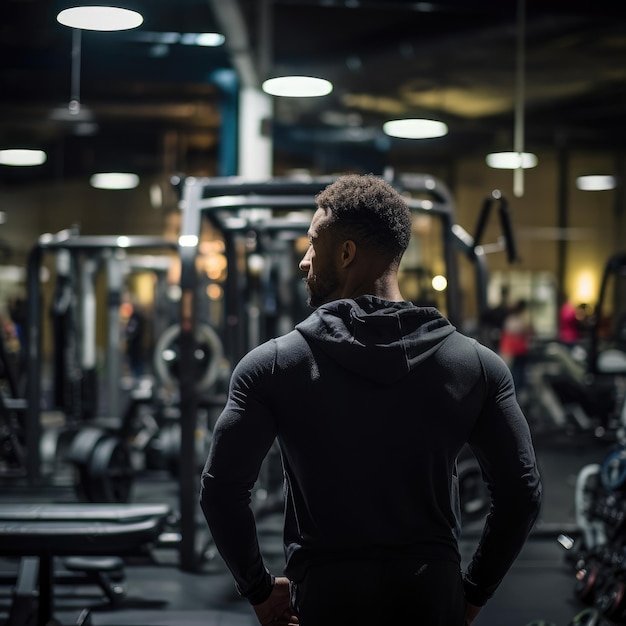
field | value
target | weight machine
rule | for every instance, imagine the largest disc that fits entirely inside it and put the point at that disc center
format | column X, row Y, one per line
column 78, row 261
column 262, row 224
column 582, row 389
column 607, row 350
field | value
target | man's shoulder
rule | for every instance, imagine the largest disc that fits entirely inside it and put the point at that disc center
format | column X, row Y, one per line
column 273, row 349
column 460, row 344
column 291, row 339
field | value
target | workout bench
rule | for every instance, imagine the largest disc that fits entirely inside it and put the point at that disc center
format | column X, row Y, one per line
column 47, row 531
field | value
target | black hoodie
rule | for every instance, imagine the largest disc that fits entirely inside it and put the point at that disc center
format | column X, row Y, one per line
column 371, row 402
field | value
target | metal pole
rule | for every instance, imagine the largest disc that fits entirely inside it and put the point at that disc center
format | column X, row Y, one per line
column 33, row 367
column 518, row 174
column 74, row 105
column 114, row 300
column 188, row 473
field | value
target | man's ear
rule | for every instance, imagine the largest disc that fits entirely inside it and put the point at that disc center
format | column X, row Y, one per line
column 348, row 252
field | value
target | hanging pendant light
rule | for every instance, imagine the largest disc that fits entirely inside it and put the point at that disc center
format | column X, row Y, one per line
column 102, row 18
column 114, row 180
column 511, row 160
column 297, row 86
column 415, row 128
column 97, row 18
column 21, row 157
column 595, row 183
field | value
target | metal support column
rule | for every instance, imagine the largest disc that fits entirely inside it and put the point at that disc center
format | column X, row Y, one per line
column 33, row 375
column 115, row 280
column 188, row 475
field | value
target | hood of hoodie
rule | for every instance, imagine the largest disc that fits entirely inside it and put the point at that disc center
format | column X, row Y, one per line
column 394, row 336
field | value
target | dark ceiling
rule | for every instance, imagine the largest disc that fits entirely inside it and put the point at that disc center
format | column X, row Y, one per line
column 157, row 107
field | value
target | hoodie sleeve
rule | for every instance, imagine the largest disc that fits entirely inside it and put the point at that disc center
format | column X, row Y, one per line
column 501, row 441
column 243, row 434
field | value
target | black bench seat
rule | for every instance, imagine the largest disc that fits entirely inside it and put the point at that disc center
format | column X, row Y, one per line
column 50, row 530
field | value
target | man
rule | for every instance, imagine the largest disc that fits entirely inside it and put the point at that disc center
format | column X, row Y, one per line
column 371, row 399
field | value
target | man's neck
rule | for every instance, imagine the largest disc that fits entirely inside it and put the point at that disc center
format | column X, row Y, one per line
column 383, row 288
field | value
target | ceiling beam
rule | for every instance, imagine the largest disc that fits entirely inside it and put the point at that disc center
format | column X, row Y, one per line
column 231, row 21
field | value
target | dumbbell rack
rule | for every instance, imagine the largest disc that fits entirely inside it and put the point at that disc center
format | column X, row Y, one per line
column 600, row 559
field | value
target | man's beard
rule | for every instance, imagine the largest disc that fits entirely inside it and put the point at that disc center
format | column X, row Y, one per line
column 321, row 289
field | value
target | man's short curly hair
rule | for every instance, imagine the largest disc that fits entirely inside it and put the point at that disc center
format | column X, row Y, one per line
column 369, row 210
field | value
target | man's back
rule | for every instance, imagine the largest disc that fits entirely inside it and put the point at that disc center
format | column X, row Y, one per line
column 371, row 403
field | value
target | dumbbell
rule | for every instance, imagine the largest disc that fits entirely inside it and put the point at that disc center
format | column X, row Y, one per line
column 590, row 580
column 612, row 601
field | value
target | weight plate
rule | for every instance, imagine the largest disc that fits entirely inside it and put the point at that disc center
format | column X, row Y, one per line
column 612, row 602
column 48, row 447
column 110, row 473
column 84, row 443
column 54, row 447
column 208, row 356
column 613, row 471
column 81, row 450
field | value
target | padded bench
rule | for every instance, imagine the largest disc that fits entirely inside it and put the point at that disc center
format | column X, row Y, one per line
column 47, row 531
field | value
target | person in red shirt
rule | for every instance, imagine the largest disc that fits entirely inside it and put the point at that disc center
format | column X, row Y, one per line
column 569, row 326
column 515, row 341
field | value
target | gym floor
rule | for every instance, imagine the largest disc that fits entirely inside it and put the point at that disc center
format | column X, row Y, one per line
column 539, row 589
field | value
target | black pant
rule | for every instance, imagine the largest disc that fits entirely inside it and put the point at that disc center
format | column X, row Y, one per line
column 410, row 592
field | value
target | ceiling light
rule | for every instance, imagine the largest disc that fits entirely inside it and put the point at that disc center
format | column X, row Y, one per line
column 297, row 86
column 22, row 157
column 511, row 160
column 103, row 18
column 595, row 183
column 114, row 180
column 439, row 282
column 210, row 40
column 415, row 128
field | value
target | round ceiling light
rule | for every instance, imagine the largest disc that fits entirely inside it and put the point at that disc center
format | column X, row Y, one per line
column 511, row 160
column 297, row 86
column 102, row 18
column 21, row 157
column 415, row 128
column 595, row 183
column 114, row 180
